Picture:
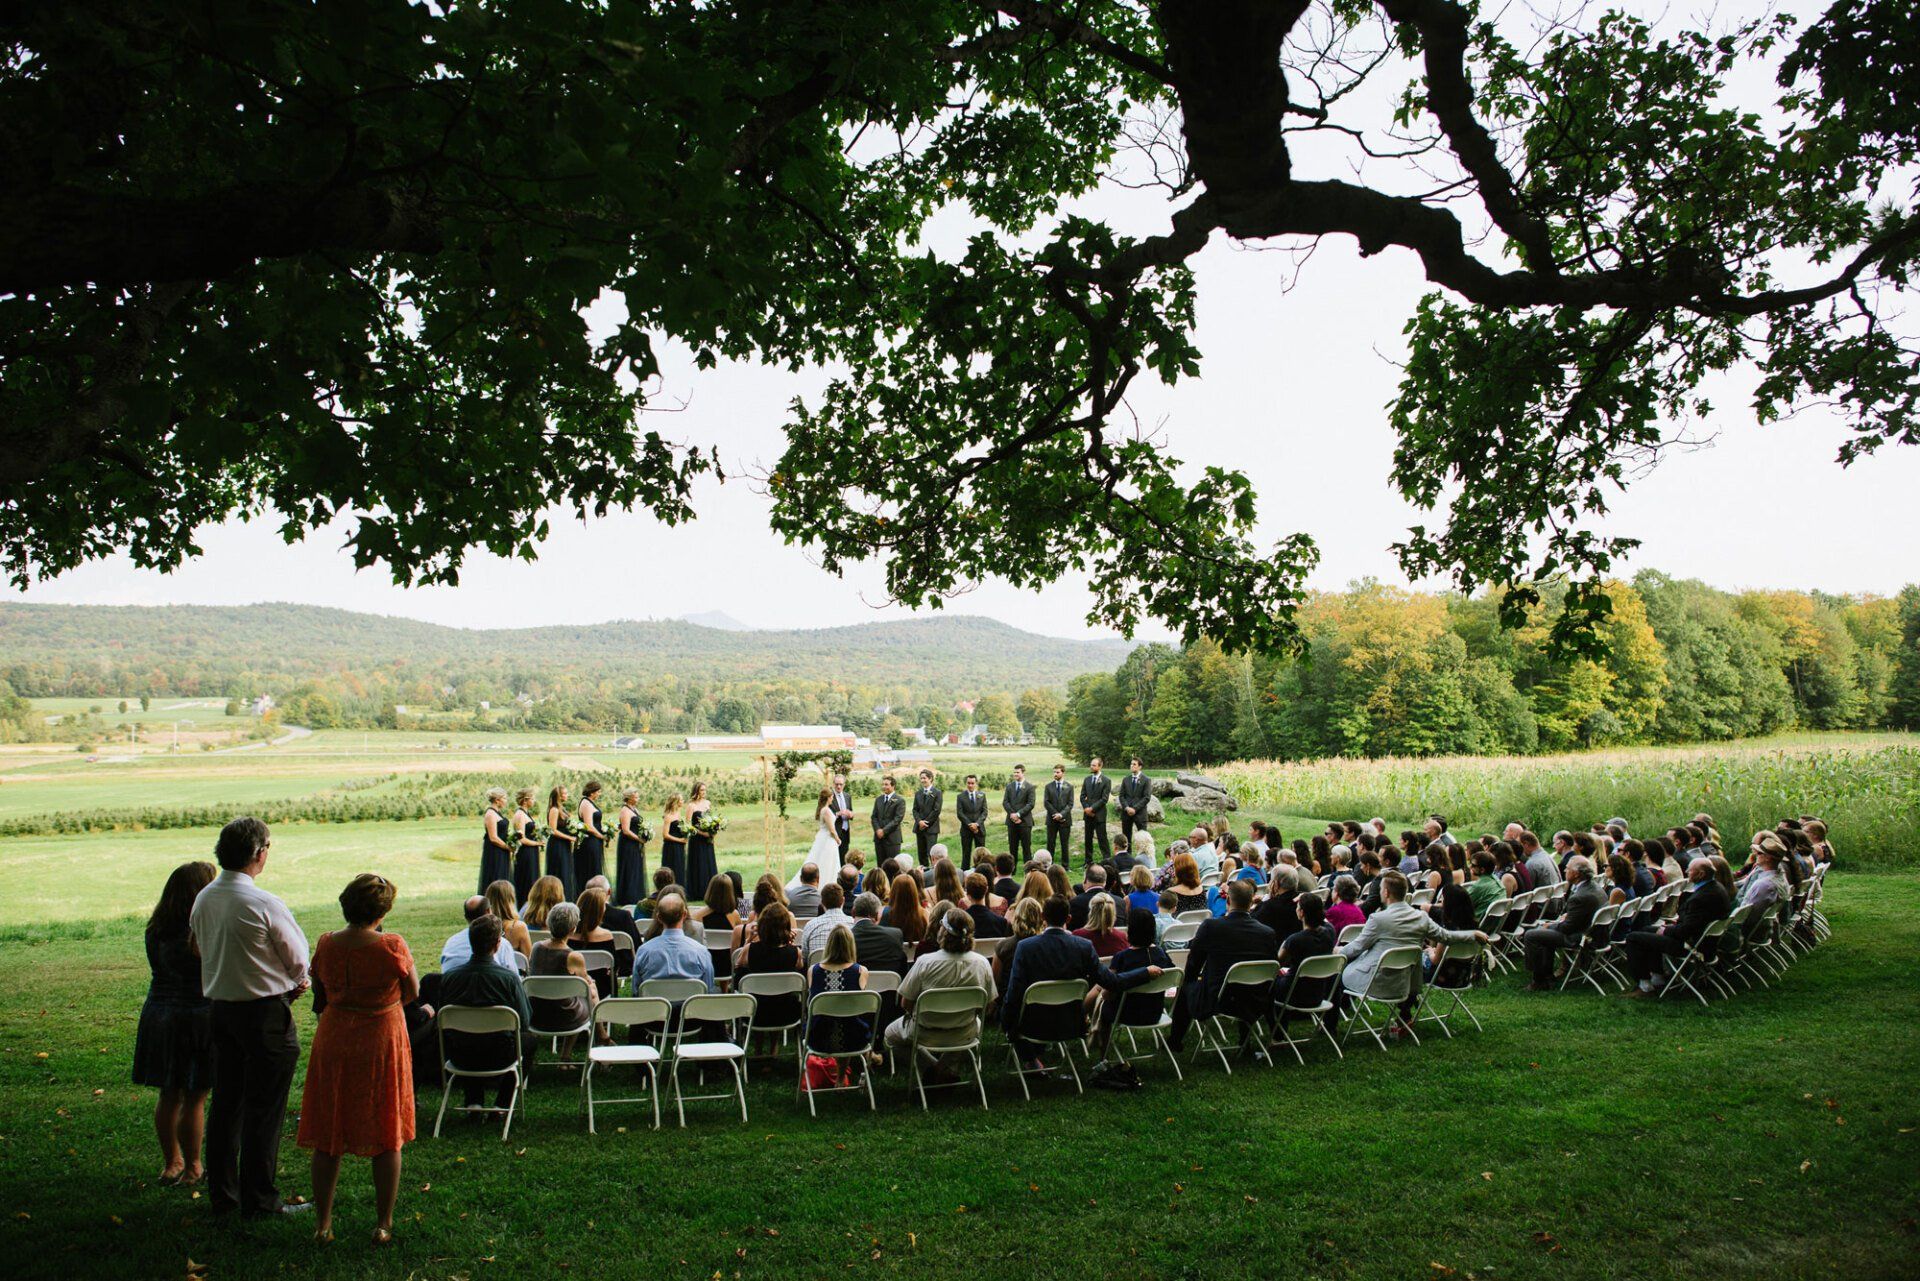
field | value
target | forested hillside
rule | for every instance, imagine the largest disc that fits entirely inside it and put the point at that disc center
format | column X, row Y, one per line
column 1392, row 672
column 334, row 667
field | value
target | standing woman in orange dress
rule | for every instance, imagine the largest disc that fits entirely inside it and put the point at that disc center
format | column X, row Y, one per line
column 359, row 1092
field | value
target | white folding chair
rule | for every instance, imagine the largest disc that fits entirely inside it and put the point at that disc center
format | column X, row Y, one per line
column 537, row 936
column 561, row 987
column 762, row 986
column 1052, row 994
column 1152, row 1017
column 732, row 1011
column 1584, row 953
column 1179, row 935
column 1490, row 922
column 987, row 947
column 520, row 962
column 1313, row 969
column 720, row 953
column 1466, row 956
column 1421, row 898
column 839, row 1005
column 1392, row 984
column 1213, row 1029
column 1348, row 934
column 631, row 1012
column 479, row 1020
column 1194, row 917
column 600, row 958
column 947, row 1020
column 1695, row 961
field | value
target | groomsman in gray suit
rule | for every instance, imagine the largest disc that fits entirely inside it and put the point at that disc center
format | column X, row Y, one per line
column 1017, row 801
column 889, row 811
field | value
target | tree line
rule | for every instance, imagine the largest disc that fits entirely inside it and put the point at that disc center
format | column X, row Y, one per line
column 1391, row 672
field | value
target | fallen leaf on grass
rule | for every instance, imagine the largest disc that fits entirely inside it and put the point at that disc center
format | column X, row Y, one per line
column 1441, row 1268
column 426, row 1187
column 1487, row 1175
column 1805, row 1166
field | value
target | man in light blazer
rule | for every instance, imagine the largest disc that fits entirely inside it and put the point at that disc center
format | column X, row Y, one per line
column 1397, row 924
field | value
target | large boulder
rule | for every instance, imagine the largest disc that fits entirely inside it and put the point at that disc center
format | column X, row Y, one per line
column 1164, row 787
column 1199, row 782
column 1208, row 800
column 1154, row 813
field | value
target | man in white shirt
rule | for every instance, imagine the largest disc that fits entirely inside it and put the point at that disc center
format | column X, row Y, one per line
column 814, row 937
column 1200, row 845
column 253, row 966
column 458, row 950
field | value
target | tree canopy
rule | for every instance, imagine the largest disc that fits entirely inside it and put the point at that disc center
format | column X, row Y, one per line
column 330, row 261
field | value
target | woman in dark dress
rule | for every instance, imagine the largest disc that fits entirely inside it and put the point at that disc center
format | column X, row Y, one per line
column 630, row 865
column 590, row 850
column 701, row 866
column 673, row 840
column 496, row 855
column 720, row 911
column 560, row 840
column 771, row 951
column 526, row 852
column 173, row 1049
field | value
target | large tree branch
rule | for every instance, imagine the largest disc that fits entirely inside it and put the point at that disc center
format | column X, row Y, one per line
column 1045, row 17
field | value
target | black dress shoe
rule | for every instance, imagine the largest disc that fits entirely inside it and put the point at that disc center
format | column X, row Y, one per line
column 285, row 1207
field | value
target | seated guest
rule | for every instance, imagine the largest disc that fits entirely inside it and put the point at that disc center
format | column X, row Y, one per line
column 1142, row 898
column 1187, row 892
column 953, row 963
column 720, row 912
column 849, row 881
column 1544, row 941
column 1371, row 870
column 483, row 983
column 838, row 970
column 766, row 892
column 1165, row 916
column 1036, row 886
column 1313, row 938
column 671, row 954
column 1816, row 831
column 453, row 953
column 618, row 920
column 946, row 886
column 1142, row 849
column 1619, row 879
column 1648, row 951
column 1004, row 886
column 512, row 928
column 1077, row 904
column 1543, row 868
column 987, row 923
column 1764, row 884
column 1051, row 954
column 1452, row 906
column 552, row 956
column 546, row 891
column 1057, row 883
column 877, row 946
column 803, row 892
column 593, row 936
column 1099, row 930
column 1028, row 919
column 771, row 951
column 1321, row 858
column 1217, row 947
column 1397, row 924
column 1142, row 952
column 906, row 912
column 813, row 935
column 876, row 880
column 693, row 929
column 1485, row 888
column 1345, row 910
column 1279, row 911
column 1202, row 850
column 662, row 882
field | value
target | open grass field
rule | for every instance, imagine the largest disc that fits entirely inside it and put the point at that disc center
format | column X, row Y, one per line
column 1776, row 1135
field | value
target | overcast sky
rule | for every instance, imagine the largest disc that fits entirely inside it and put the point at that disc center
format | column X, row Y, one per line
column 1293, row 390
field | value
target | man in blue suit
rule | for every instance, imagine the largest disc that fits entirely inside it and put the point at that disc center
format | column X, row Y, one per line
column 1055, row 954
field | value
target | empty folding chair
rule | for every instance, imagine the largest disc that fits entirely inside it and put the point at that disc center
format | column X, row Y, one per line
column 501, row 1021
column 885, row 983
column 622, row 948
column 839, row 1005
column 1453, row 978
column 720, row 952
column 1307, row 997
column 1246, row 998
column 720, row 1019
column 1053, row 1015
column 1393, row 983
column 947, row 1020
column 647, row 1014
column 987, row 948
column 1144, row 1010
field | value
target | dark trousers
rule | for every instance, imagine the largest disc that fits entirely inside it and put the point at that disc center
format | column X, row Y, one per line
column 926, row 838
column 970, row 841
column 1646, row 949
column 1129, row 824
column 1542, row 945
column 1095, row 829
column 486, row 1050
column 846, row 842
column 1192, row 1003
column 255, row 1049
column 1020, row 841
column 1060, row 834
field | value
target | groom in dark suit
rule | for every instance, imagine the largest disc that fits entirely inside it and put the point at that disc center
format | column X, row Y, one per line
column 971, row 807
column 1135, row 790
column 1095, row 789
column 1017, row 802
column 842, row 814
column 926, row 816
column 1059, row 806
column 889, row 810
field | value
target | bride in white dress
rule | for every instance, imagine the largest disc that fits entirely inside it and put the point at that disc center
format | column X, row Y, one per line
column 825, row 853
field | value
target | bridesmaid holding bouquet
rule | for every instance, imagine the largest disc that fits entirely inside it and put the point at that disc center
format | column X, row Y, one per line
column 496, row 856
column 701, row 825
column 590, row 849
column 630, row 849
column 560, row 840
column 673, row 840
column 526, row 852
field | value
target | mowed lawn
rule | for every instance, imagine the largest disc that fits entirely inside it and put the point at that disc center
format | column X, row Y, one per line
column 1774, row 1135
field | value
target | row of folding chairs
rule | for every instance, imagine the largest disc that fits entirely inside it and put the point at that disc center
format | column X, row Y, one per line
column 1752, row 946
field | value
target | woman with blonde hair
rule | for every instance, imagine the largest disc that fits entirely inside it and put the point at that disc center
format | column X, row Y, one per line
column 630, row 851
column 1028, row 919
column 1143, row 848
column 1099, row 929
column 496, row 856
column 560, row 837
column 546, row 892
column 499, row 897
column 526, row 849
column 1036, row 887
column 673, row 839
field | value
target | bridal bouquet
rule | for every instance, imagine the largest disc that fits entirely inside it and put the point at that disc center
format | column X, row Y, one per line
column 708, row 823
column 642, row 829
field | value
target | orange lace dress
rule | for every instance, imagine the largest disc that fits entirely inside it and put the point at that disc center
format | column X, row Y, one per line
column 359, row 1092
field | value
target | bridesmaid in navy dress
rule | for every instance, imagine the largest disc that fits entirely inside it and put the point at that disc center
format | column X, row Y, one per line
column 630, row 867
column 496, row 856
column 701, row 867
column 526, row 853
column 673, row 840
column 560, row 841
column 590, row 849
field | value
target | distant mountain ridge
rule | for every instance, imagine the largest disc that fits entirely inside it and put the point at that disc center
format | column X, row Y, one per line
column 277, row 644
